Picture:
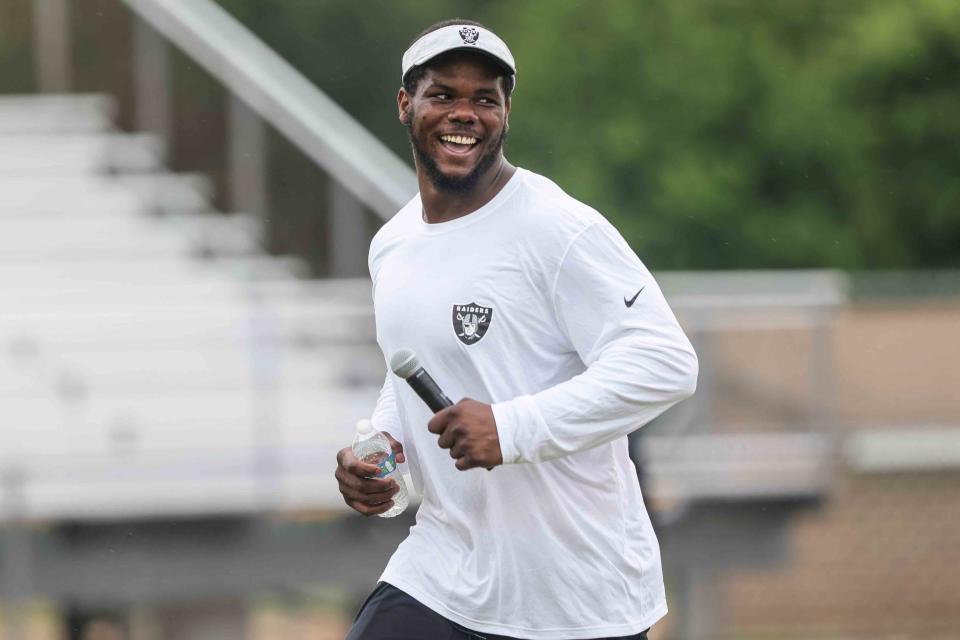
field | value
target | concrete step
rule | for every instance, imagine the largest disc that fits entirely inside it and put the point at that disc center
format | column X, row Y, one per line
column 103, row 237
column 55, row 297
column 203, row 420
column 24, row 154
column 126, row 237
column 61, row 113
column 215, row 234
column 78, row 375
column 170, row 193
column 59, row 194
column 169, row 271
column 240, row 328
column 179, row 483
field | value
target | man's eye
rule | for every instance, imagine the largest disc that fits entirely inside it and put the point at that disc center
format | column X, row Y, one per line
column 441, row 96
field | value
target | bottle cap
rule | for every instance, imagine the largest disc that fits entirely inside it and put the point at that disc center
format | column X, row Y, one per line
column 364, row 427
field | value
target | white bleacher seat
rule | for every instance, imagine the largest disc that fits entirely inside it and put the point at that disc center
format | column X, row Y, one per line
column 138, row 379
column 51, row 113
column 78, row 152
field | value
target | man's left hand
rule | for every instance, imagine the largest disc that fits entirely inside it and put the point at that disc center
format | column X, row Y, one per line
column 469, row 430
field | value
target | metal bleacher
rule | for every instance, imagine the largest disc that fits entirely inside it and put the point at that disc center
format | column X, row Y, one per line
column 153, row 361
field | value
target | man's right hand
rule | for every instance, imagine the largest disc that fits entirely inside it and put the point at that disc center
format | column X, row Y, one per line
column 362, row 492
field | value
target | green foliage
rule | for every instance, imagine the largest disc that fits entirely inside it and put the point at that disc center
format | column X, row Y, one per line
column 713, row 133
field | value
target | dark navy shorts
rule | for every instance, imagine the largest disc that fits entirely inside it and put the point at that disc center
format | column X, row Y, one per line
column 390, row 614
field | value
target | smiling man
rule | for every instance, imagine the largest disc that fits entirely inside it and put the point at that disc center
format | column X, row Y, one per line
column 529, row 306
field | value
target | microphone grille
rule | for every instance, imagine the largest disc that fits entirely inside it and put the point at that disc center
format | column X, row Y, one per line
column 404, row 362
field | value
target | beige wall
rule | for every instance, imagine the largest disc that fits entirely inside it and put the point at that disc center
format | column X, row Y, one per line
column 890, row 366
column 881, row 558
column 897, row 365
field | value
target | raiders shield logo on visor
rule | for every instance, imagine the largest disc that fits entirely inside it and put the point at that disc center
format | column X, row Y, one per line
column 469, row 35
column 471, row 321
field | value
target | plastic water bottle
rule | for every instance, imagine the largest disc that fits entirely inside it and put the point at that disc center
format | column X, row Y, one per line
column 372, row 447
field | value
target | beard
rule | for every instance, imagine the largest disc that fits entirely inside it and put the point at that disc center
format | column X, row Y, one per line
column 447, row 183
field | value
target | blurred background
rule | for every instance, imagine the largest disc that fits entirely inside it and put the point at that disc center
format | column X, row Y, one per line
column 187, row 191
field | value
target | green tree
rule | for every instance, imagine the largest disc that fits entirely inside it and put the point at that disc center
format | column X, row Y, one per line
column 752, row 134
column 714, row 133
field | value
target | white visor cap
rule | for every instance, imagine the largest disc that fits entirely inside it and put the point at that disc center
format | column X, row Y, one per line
column 458, row 37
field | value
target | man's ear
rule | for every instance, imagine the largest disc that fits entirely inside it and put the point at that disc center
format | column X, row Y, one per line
column 403, row 105
column 506, row 114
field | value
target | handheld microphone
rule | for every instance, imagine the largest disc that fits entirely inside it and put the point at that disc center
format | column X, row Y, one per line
column 406, row 365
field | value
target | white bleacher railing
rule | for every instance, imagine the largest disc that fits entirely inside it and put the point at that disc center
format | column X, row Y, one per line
column 282, row 96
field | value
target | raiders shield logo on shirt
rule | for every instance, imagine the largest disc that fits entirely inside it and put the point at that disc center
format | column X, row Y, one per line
column 470, row 321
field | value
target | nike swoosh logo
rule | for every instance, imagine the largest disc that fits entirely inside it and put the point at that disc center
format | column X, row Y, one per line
column 630, row 302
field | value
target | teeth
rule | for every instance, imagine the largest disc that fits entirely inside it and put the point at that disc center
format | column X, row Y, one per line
column 459, row 139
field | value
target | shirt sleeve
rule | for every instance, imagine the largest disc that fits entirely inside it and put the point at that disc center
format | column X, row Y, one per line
column 385, row 416
column 638, row 361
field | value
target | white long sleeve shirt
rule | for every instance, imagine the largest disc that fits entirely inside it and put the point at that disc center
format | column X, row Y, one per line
column 536, row 305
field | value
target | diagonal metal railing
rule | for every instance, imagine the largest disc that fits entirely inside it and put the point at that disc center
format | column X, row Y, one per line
column 284, row 98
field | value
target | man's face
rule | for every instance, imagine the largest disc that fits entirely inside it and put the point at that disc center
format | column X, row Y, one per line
column 457, row 120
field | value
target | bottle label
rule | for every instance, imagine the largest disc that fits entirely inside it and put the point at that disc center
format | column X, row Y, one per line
column 387, row 466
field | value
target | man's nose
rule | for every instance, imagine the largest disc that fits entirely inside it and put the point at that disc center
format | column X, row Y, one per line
column 462, row 111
